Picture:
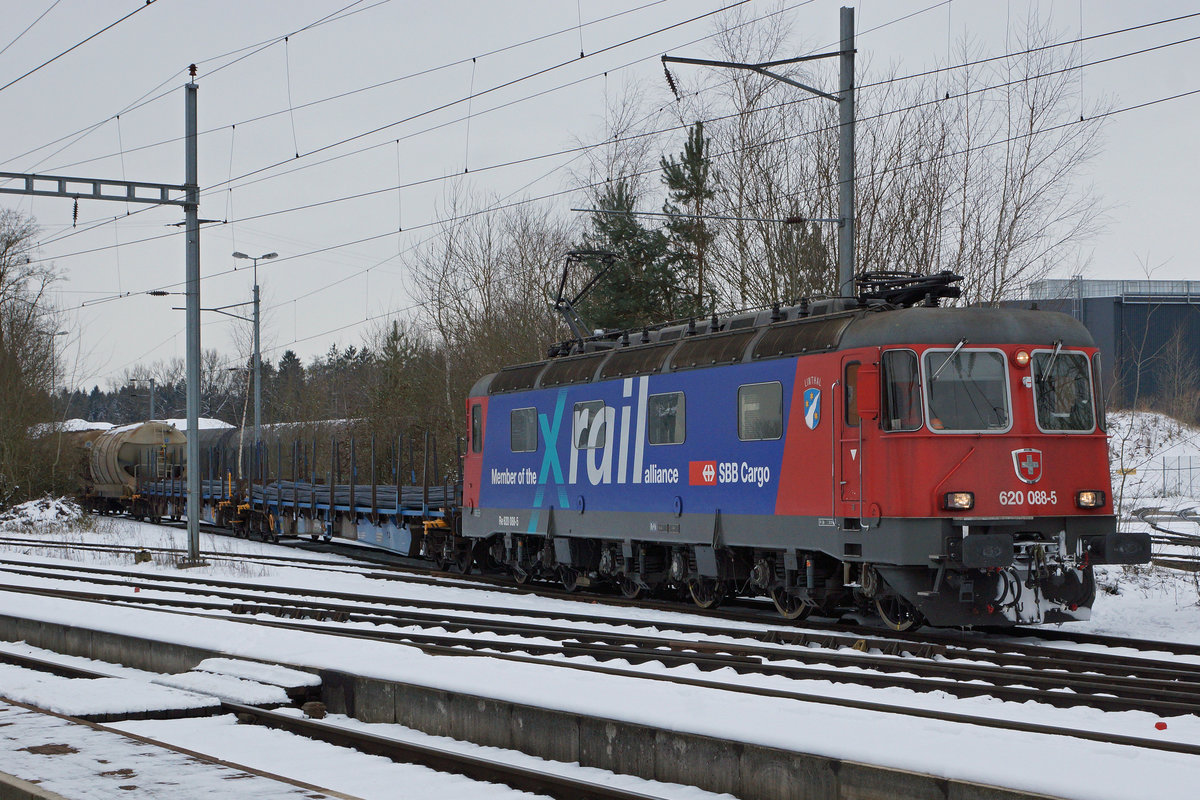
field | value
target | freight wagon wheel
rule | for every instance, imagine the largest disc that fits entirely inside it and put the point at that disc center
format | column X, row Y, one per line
column 706, row 592
column 897, row 613
column 788, row 605
column 569, row 578
column 630, row 588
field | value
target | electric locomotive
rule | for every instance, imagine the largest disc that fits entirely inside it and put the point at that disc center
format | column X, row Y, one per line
column 933, row 464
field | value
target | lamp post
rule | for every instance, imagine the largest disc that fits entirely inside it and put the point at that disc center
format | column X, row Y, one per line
column 257, row 351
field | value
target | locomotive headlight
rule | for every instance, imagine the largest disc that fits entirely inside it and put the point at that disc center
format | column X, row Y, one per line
column 1089, row 499
column 958, row 501
column 1021, row 358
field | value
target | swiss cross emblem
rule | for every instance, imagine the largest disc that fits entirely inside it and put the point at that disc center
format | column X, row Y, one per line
column 1028, row 464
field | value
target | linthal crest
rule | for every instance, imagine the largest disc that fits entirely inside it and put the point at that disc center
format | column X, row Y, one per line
column 1028, row 464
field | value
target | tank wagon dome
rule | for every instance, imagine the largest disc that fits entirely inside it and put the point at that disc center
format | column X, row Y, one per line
column 117, row 454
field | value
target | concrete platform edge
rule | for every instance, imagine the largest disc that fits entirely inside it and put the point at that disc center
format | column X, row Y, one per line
column 748, row 771
column 13, row 788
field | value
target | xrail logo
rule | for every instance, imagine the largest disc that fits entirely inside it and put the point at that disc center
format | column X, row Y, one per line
column 702, row 473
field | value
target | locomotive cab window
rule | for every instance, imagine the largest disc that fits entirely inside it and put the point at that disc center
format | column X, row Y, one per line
column 1062, row 391
column 665, row 418
column 901, row 391
column 1098, row 386
column 588, row 428
column 760, row 411
column 476, row 429
column 967, row 391
column 851, row 383
column 523, row 431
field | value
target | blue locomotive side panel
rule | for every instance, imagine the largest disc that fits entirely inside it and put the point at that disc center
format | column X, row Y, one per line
column 702, row 439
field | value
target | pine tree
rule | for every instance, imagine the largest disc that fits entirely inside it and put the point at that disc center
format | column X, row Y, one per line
column 690, row 182
column 638, row 288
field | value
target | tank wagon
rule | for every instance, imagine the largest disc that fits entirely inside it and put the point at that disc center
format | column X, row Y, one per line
column 932, row 464
column 118, row 459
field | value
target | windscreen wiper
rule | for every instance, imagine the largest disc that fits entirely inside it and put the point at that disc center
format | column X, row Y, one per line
column 1053, row 358
column 953, row 353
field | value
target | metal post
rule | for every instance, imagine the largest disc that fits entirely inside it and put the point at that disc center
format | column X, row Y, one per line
column 846, row 158
column 257, row 363
column 845, row 101
column 152, row 398
column 192, row 224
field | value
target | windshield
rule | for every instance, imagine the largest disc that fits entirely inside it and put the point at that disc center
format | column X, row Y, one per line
column 1063, row 392
column 969, row 392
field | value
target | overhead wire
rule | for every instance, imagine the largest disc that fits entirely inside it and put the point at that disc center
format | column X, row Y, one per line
column 976, row 62
column 586, row 147
column 231, row 179
column 77, row 45
column 29, row 27
column 150, row 96
column 1110, row 113
column 471, row 214
column 211, row 189
column 1007, row 140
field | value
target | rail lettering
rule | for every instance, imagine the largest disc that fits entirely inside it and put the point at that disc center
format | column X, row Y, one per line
column 733, row 472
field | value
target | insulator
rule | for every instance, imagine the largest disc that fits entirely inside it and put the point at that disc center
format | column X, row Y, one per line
column 671, row 82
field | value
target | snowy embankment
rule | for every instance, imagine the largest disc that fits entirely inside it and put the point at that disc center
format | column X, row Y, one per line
column 1150, row 602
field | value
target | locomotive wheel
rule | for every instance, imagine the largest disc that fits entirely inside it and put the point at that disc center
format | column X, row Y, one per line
column 788, row 605
column 897, row 613
column 629, row 588
column 464, row 559
column 706, row 592
column 569, row 578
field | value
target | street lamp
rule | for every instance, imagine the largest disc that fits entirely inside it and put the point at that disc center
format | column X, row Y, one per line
column 257, row 351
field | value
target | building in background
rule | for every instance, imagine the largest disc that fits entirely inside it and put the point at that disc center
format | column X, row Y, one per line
column 1148, row 333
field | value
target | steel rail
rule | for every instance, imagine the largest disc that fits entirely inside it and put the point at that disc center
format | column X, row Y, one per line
column 1162, row 696
column 888, row 708
column 932, row 643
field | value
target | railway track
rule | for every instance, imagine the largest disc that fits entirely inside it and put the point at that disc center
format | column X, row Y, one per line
column 452, row 648
column 1010, row 670
column 391, row 567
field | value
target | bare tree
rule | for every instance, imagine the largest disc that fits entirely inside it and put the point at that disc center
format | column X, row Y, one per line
column 1177, row 376
column 28, row 325
column 985, row 179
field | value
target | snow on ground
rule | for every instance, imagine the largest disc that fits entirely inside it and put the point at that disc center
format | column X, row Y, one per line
column 890, row 739
column 1137, row 444
column 42, row 513
column 68, row 426
column 80, row 761
column 86, row 698
column 366, row 776
column 215, row 736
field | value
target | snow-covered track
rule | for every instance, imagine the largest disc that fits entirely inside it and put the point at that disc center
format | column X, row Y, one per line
column 1011, row 672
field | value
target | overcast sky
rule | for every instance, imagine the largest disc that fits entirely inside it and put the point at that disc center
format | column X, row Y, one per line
column 113, row 108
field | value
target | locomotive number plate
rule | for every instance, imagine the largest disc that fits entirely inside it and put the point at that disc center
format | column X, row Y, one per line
column 1032, row 497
